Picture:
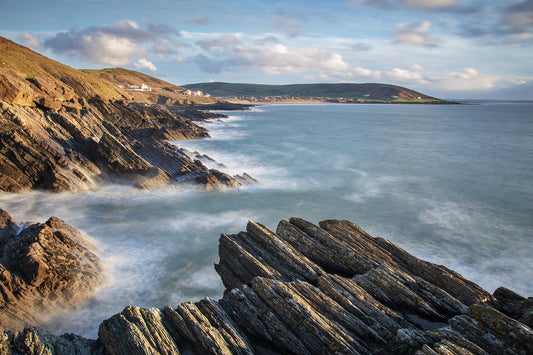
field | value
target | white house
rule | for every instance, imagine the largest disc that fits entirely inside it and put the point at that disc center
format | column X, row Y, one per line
column 193, row 93
column 143, row 87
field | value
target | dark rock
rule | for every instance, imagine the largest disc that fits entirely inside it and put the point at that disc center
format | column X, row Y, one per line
column 71, row 150
column 308, row 289
column 43, row 267
column 324, row 289
column 37, row 341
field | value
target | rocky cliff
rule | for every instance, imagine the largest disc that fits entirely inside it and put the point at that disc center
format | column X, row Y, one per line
column 62, row 129
column 308, row 289
column 43, row 267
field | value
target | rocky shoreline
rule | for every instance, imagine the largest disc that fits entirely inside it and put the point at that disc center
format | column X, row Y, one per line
column 63, row 129
column 43, row 267
column 106, row 142
column 314, row 289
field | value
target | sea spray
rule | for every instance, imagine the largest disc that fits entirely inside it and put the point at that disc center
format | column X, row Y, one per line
column 429, row 178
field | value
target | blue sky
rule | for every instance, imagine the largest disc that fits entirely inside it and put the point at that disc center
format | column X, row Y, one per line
column 444, row 48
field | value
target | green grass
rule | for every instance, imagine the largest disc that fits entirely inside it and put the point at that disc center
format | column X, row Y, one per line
column 350, row 91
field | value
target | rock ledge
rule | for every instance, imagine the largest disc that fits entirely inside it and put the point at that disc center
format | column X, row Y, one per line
column 327, row 289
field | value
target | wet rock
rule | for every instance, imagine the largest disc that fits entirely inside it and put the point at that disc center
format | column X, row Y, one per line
column 43, row 266
column 326, row 289
column 37, row 341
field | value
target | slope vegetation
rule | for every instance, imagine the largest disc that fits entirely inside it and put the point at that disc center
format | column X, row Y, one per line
column 67, row 129
column 337, row 92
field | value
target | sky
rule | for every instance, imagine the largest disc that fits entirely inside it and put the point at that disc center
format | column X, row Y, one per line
column 451, row 49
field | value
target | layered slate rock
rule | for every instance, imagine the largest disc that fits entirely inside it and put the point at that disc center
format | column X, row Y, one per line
column 332, row 288
column 43, row 267
column 62, row 129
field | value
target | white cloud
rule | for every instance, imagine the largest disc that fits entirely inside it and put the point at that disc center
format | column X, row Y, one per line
column 415, row 34
column 421, row 4
column 117, row 44
column 360, row 72
column 144, row 63
column 404, row 75
column 465, row 74
column 430, row 4
column 272, row 59
column 462, row 80
column 518, row 38
column 28, row 39
column 108, row 49
column 415, row 67
column 224, row 41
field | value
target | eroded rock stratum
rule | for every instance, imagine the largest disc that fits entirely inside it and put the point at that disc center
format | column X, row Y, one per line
column 43, row 267
column 326, row 289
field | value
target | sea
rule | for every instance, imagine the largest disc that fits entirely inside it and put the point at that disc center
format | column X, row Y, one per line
column 451, row 184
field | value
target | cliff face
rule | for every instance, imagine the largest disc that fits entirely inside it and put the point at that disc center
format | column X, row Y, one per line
column 62, row 129
column 43, row 267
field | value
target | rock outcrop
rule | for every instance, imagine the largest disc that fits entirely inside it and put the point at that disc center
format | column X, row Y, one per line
column 43, row 267
column 62, row 129
column 308, row 289
column 327, row 289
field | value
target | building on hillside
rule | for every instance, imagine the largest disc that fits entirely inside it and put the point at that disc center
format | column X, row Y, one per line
column 193, row 93
column 143, row 87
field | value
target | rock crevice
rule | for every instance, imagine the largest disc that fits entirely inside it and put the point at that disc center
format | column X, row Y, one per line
column 332, row 288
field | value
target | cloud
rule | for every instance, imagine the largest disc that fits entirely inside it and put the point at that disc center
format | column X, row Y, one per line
column 117, row 44
column 414, row 34
column 519, row 17
column 290, row 26
column 224, row 41
column 429, row 4
column 513, row 24
column 420, row 4
column 28, row 39
column 200, row 21
column 272, row 59
column 144, row 63
column 360, row 47
column 210, row 65
column 404, row 75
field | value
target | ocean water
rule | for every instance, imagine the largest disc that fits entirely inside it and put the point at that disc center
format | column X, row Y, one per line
column 452, row 184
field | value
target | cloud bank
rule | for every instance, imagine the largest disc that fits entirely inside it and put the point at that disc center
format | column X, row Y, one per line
column 117, row 44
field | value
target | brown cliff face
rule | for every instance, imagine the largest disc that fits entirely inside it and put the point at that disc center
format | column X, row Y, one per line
column 62, row 129
column 43, row 266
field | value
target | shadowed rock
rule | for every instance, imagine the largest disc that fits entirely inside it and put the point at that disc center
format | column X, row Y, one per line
column 308, row 289
column 43, row 267
column 332, row 288
column 62, row 129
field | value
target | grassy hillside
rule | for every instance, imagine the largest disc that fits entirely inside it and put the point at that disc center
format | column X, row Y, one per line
column 20, row 63
column 350, row 91
column 27, row 78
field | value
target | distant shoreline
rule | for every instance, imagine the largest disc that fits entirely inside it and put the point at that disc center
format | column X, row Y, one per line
column 265, row 101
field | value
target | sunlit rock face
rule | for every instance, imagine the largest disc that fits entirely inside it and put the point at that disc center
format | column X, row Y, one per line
column 62, row 129
column 45, row 267
column 332, row 288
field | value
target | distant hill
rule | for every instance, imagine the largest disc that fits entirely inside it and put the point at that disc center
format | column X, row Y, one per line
column 28, row 78
column 336, row 92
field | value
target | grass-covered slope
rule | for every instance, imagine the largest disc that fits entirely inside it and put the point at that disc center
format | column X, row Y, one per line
column 350, row 91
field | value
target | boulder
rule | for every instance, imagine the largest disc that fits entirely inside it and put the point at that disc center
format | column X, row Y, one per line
column 43, row 266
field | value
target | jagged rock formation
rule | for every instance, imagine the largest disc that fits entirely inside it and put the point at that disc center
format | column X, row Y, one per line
column 307, row 289
column 332, row 288
column 62, row 129
column 43, row 266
